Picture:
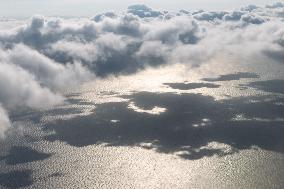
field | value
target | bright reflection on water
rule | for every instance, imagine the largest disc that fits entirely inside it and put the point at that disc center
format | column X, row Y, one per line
column 156, row 110
column 103, row 151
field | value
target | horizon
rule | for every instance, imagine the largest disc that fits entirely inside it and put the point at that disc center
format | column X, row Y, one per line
column 89, row 8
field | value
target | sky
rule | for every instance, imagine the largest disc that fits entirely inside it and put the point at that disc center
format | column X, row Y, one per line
column 27, row 8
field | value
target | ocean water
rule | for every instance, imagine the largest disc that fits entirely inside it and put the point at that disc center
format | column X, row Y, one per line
column 219, row 125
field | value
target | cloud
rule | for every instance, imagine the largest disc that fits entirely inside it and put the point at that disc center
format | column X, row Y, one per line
column 29, row 79
column 39, row 32
column 42, row 57
column 249, row 8
column 143, row 11
column 209, row 16
column 178, row 29
column 275, row 5
column 252, row 19
column 233, row 16
column 43, row 69
column 19, row 88
column 4, row 122
column 100, row 17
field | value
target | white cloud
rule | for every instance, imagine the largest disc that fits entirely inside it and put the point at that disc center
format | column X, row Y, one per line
column 20, row 88
column 47, row 72
column 276, row 5
column 143, row 11
column 4, row 122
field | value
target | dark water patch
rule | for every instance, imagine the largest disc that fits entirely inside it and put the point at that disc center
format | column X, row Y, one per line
column 16, row 179
column 275, row 86
column 57, row 174
column 231, row 77
column 21, row 154
column 188, row 86
column 190, row 120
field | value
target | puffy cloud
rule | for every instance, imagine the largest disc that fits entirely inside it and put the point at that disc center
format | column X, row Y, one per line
column 29, row 79
column 143, row 11
column 100, row 17
column 209, row 16
column 19, row 88
column 252, row 19
column 179, row 29
column 39, row 33
column 275, row 5
column 47, row 72
column 249, row 8
column 182, row 11
column 126, row 24
column 153, row 53
column 233, row 16
column 120, row 43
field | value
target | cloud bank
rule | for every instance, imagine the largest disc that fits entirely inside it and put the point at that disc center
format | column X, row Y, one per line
column 44, row 56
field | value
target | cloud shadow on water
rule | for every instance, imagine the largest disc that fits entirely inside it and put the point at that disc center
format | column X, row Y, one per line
column 21, row 154
column 16, row 179
column 274, row 86
column 231, row 77
column 188, row 86
column 189, row 124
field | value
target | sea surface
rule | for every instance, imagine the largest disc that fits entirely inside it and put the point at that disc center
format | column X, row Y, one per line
column 218, row 125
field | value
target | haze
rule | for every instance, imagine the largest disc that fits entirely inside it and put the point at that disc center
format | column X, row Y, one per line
column 72, row 8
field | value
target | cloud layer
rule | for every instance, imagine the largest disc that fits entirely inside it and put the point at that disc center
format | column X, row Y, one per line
column 40, row 59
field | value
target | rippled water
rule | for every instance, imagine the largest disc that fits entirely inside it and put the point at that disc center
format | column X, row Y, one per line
column 215, row 126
